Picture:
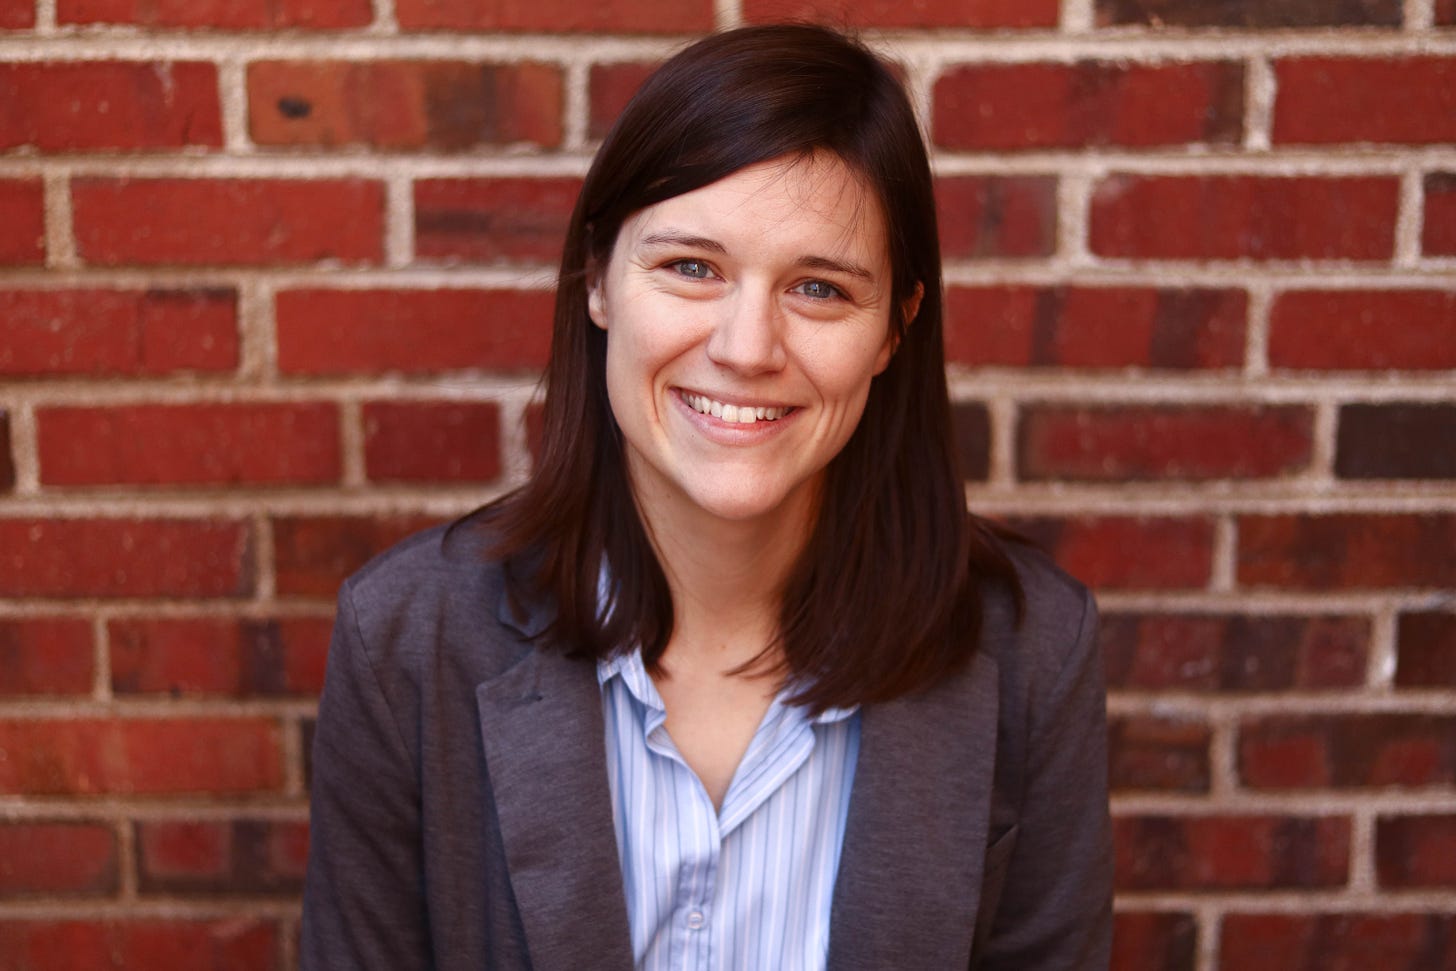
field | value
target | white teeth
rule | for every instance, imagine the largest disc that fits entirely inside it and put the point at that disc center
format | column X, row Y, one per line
column 735, row 414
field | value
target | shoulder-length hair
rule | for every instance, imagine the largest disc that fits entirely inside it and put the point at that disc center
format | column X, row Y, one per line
column 886, row 595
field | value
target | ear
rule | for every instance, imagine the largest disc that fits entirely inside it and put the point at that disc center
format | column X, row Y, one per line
column 909, row 307
column 596, row 301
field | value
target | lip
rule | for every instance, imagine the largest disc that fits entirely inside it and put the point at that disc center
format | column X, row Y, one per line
column 738, row 430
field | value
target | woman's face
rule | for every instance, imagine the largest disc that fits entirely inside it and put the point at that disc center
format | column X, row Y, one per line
column 745, row 321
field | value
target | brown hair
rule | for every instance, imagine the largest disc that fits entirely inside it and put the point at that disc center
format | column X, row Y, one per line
column 886, row 596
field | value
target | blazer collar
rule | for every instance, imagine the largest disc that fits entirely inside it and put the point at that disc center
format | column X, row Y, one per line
column 541, row 726
column 909, row 879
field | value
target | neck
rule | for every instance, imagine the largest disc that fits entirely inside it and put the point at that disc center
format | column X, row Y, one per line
column 727, row 577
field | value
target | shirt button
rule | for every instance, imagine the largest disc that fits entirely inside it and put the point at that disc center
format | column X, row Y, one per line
column 696, row 920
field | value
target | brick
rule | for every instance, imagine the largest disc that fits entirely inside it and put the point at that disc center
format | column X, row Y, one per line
column 1244, row 217
column 971, row 426
column 228, row 221
column 1121, row 552
column 609, row 88
column 22, row 212
column 1347, row 751
column 233, row 943
column 219, row 14
column 1249, row 13
column 1438, row 232
column 558, row 16
column 101, row 105
column 432, row 441
column 403, row 105
column 195, row 444
column 1330, row 100
column 1416, row 851
column 1233, row 652
column 1337, row 942
column 1167, row 941
column 45, row 656
column 47, row 333
column 162, row 757
column 1426, row 650
column 491, row 220
column 1102, row 327
column 1347, row 551
column 412, row 331
column 892, row 14
column 1152, row 442
column 7, row 459
column 56, row 858
column 1394, row 441
column 1158, row 754
column 17, row 14
column 125, row 558
column 996, row 217
column 1363, row 330
column 219, row 656
column 315, row 553
column 1445, row 13
column 1007, row 107
column 1246, row 852
column 242, row 856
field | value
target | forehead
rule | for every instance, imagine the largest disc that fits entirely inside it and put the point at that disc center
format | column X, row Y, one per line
column 816, row 205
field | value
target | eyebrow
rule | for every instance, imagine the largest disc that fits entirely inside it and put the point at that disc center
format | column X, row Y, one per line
column 688, row 240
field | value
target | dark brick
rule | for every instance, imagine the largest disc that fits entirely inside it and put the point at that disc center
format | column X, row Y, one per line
column 1250, row 13
column 996, row 216
column 1337, row 942
column 1396, row 441
column 1144, row 940
column 1416, row 851
column 1426, row 650
column 1233, row 652
column 1347, row 551
column 1096, row 327
column 972, row 428
column 1158, row 753
column 1348, row 751
column 7, row 460
column 1438, row 233
column 1230, row 852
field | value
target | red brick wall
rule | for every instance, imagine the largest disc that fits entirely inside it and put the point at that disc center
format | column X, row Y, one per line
column 274, row 286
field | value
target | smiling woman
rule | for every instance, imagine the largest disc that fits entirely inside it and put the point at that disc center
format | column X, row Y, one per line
column 735, row 680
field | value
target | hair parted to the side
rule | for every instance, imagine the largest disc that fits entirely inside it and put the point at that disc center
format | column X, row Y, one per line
column 886, row 596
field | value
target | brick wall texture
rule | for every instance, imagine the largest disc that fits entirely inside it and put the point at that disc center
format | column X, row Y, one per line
column 274, row 291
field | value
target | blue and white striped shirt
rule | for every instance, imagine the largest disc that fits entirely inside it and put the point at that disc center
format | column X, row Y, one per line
column 746, row 888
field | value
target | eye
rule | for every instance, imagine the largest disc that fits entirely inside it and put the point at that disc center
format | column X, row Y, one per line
column 693, row 269
column 819, row 290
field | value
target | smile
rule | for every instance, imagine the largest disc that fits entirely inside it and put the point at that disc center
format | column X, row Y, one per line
column 737, row 414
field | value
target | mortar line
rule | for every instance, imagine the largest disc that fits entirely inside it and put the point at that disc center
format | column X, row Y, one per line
column 60, row 238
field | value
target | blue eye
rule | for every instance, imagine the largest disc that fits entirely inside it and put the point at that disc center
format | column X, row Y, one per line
column 696, row 269
column 819, row 290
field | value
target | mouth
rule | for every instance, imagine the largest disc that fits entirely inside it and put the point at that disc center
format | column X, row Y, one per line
column 733, row 414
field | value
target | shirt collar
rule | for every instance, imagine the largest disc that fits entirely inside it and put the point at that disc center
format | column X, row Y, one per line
column 633, row 672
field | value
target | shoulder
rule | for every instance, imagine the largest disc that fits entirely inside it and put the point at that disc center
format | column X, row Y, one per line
column 434, row 598
column 1050, row 651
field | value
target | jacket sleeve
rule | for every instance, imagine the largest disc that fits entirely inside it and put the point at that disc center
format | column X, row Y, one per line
column 363, row 905
column 1055, row 911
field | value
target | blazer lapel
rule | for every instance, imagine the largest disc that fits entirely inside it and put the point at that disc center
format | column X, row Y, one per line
column 541, row 723
column 909, row 879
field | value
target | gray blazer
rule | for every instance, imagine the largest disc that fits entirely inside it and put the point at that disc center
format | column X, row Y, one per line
column 461, row 817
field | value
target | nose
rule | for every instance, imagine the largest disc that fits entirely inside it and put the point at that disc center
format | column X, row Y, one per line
column 748, row 337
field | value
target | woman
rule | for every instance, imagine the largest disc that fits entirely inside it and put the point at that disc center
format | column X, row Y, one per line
column 734, row 681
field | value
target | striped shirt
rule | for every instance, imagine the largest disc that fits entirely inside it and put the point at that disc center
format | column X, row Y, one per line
column 740, row 889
